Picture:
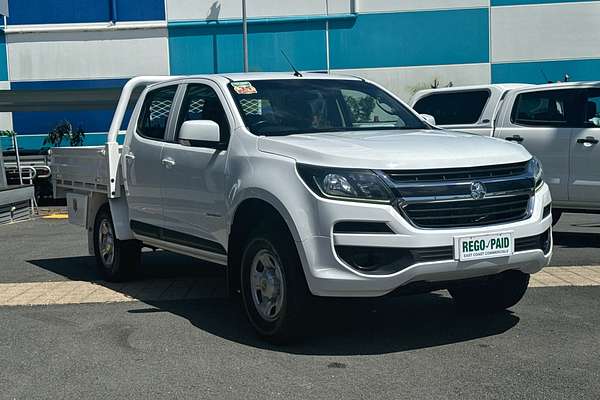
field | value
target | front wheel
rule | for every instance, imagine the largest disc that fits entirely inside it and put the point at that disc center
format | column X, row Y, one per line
column 494, row 294
column 274, row 290
column 116, row 260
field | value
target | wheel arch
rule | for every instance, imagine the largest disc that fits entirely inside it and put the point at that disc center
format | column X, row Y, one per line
column 249, row 213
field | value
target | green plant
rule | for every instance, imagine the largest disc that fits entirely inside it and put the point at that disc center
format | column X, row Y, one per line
column 7, row 133
column 429, row 85
column 77, row 137
column 64, row 130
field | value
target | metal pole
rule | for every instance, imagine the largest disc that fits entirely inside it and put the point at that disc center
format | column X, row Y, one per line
column 245, row 34
column 327, row 35
column 16, row 146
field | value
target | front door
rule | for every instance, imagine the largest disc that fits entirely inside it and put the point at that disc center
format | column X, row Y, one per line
column 542, row 122
column 194, row 178
column 585, row 153
column 142, row 161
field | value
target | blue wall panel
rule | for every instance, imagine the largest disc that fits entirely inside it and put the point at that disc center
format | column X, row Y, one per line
column 57, row 11
column 27, row 123
column 3, row 58
column 136, row 10
column 536, row 72
column 73, row 84
column 40, row 123
column 411, row 38
column 210, row 48
column 83, row 11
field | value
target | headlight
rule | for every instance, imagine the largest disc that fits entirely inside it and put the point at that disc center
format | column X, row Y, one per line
column 357, row 185
column 538, row 172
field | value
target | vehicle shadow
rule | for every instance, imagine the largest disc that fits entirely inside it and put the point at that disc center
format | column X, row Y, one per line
column 350, row 327
column 576, row 239
column 334, row 327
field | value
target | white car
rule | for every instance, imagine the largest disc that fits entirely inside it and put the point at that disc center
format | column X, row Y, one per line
column 309, row 185
column 559, row 123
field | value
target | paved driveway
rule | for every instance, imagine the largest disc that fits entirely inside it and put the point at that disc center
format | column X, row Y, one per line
column 182, row 338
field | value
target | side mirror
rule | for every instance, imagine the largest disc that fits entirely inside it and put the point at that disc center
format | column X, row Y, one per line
column 430, row 119
column 200, row 131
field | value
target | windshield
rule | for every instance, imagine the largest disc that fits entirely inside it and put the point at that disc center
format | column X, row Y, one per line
column 294, row 106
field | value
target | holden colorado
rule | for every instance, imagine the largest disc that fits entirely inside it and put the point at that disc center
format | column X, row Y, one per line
column 309, row 185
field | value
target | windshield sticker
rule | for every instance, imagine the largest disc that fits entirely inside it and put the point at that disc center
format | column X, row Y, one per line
column 243, row 88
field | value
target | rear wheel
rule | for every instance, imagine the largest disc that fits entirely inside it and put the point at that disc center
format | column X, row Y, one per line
column 494, row 294
column 274, row 290
column 116, row 260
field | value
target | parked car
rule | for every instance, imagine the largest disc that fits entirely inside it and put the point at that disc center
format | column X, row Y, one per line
column 312, row 185
column 558, row 123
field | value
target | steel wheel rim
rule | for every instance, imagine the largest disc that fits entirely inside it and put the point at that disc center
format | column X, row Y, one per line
column 267, row 285
column 106, row 243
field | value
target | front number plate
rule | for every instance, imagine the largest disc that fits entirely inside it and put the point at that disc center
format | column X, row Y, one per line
column 484, row 246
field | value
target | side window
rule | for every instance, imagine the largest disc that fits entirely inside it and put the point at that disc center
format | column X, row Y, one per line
column 152, row 123
column 202, row 103
column 592, row 108
column 547, row 108
column 458, row 108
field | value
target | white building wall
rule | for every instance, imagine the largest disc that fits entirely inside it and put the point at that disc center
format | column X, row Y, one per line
column 406, row 81
column 115, row 53
column 198, row 10
column 545, row 32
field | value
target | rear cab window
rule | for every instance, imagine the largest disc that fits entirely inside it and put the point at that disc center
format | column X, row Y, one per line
column 154, row 116
column 454, row 108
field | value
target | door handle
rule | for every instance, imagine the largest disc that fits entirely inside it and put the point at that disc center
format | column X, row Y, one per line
column 515, row 138
column 589, row 139
column 130, row 156
column 168, row 162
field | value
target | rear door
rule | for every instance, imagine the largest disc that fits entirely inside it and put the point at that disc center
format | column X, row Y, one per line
column 543, row 121
column 142, row 161
column 194, row 176
column 584, row 183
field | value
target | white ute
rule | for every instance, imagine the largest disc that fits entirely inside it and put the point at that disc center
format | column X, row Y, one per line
column 308, row 185
column 559, row 123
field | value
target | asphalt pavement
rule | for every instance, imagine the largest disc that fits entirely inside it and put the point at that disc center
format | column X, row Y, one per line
column 414, row 347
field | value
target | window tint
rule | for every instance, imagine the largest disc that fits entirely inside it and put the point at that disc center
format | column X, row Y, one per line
column 592, row 108
column 155, row 113
column 456, row 108
column 548, row 108
column 300, row 106
column 202, row 103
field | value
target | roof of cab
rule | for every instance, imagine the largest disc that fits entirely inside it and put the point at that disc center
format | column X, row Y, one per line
column 500, row 86
column 565, row 85
column 255, row 76
column 510, row 86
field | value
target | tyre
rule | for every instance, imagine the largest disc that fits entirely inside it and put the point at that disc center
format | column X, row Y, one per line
column 556, row 214
column 116, row 260
column 494, row 294
column 273, row 286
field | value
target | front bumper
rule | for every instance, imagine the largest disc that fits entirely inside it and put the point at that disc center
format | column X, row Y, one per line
column 328, row 275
